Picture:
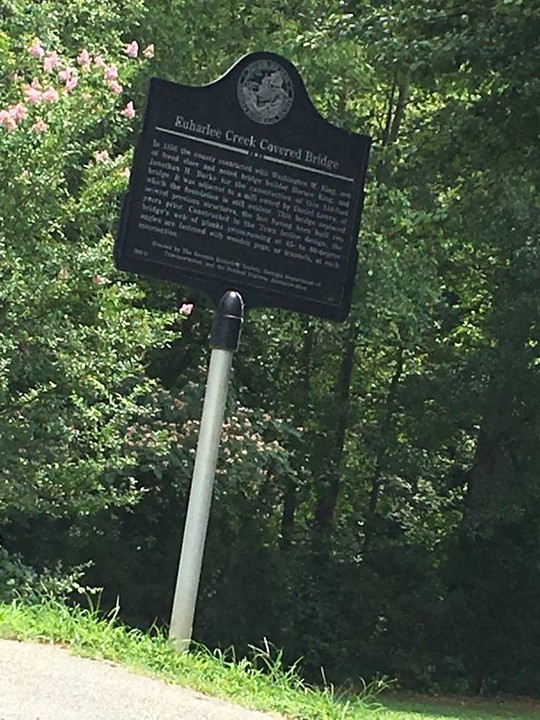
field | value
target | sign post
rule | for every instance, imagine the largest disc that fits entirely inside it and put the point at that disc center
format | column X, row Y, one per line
column 224, row 342
column 240, row 184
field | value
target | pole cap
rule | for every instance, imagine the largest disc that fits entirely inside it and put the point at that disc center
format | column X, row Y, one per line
column 228, row 322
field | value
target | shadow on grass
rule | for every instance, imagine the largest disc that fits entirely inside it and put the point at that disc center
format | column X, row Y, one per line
column 458, row 708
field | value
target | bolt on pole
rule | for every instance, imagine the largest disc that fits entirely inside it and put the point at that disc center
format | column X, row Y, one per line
column 224, row 342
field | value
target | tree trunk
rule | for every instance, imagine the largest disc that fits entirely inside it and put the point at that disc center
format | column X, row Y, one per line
column 290, row 492
column 328, row 492
column 477, row 500
column 389, row 111
column 377, row 480
column 403, row 97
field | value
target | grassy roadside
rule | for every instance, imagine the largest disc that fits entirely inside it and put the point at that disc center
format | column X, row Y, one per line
column 261, row 683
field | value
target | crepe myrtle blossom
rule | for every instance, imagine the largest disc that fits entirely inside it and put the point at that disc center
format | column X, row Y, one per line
column 65, row 75
column 132, row 50
column 84, row 59
column 69, row 78
column 99, row 62
column 18, row 112
column 51, row 61
column 111, row 72
column 186, row 309
column 115, row 87
column 33, row 95
column 148, row 51
column 128, row 111
column 50, row 95
column 72, row 83
column 7, row 120
column 36, row 50
column 102, row 156
column 40, row 126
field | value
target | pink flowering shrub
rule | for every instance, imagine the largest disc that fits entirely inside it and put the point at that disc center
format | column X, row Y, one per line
column 97, row 80
column 71, row 334
column 164, row 438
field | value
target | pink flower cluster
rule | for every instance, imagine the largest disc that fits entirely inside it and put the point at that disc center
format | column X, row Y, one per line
column 35, row 94
column 84, row 59
column 14, row 115
column 36, row 50
column 129, row 111
column 102, row 156
column 51, row 61
column 68, row 76
column 40, row 126
column 132, row 50
column 11, row 117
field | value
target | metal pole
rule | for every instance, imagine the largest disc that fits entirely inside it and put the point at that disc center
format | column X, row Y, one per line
column 224, row 342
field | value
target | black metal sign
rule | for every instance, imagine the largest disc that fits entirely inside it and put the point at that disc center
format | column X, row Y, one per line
column 242, row 185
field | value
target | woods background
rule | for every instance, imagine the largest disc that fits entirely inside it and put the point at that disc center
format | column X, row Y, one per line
column 377, row 502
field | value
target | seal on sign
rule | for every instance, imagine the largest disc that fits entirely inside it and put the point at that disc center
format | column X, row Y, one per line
column 265, row 92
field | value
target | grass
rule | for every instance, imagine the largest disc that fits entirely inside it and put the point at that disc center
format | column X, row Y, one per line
column 262, row 682
column 410, row 707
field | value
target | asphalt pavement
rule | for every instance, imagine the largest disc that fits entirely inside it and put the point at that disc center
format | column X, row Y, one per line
column 46, row 682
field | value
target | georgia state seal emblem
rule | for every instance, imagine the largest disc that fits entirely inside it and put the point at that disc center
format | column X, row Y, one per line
column 265, row 92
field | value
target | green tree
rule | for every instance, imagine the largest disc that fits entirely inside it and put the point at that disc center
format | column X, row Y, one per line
column 73, row 335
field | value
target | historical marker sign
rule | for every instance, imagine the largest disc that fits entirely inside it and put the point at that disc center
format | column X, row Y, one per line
column 242, row 185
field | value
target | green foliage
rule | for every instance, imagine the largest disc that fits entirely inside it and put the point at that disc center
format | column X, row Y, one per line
column 23, row 583
column 376, row 502
column 72, row 336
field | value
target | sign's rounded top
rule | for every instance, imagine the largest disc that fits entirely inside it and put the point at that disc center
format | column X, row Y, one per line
column 265, row 91
column 268, row 87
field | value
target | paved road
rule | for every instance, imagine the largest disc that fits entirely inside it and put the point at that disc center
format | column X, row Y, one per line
column 43, row 682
